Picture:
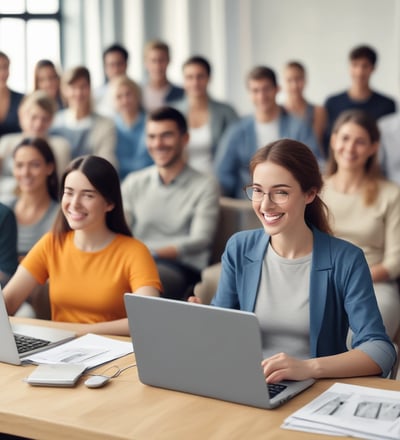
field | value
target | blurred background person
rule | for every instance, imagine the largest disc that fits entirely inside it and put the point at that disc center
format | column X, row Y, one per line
column 36, row 114
column 35, row 206
column 129, row 118
column 46, row 78
column 87, row 131
column 9, row 100
column 115, row 62
column 365, row 207
column 207, row 118
column 158, row 90
column 8, row 244
column 293, row 84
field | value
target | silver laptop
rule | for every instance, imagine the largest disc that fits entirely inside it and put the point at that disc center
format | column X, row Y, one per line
column 18, row 341
column 204, row 350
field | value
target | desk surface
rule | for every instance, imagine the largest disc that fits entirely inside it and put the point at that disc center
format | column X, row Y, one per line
column 127, row 409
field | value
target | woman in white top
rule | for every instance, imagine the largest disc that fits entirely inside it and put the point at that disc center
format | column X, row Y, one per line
column 207, row 119
column 86, row 131
column 365, row 207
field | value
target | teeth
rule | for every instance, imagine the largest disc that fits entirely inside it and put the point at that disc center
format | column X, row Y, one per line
column 271, row 218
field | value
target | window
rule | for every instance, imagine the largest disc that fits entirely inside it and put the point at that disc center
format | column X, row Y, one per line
column 29, row 31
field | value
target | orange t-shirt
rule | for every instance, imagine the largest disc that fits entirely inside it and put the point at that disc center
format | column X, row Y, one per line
column 88, row 287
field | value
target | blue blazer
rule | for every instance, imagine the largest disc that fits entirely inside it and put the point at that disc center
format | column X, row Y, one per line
column 238, row 145
column 341, row 293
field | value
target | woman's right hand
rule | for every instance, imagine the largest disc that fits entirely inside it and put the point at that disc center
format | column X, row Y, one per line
column 195, row 299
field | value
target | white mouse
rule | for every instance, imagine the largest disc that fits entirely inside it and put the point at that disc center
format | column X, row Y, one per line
column 96, row 381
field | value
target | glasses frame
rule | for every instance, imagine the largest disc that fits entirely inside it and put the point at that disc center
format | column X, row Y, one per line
column 251, row 186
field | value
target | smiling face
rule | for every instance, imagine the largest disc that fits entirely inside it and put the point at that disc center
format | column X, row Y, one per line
column 195, row 80
column 293, row 81
column 361, row 70
column 48, row 80
column 263, row 94
column 78, row 94
column 114, row 64
column 83, row 206
column 285, row 218
column 165, row 142
column 125, row 99
column 156, row 62
column 352, row 146
column 35, row 121
column 31, row 170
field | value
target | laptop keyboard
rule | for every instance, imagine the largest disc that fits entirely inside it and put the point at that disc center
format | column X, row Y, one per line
column 275, row 388
column 28, row 343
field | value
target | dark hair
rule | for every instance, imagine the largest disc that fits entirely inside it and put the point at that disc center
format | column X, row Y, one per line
column 169, row 113
column 4, row 55
column 71, row 75
column 103, row 176
column 39, row 65
column 364, row 51
column 201, row 61
column 116, row 48
column 262, row 72
column 45, row 150
column 300, row 161
column 296, row 65
column 372, row 168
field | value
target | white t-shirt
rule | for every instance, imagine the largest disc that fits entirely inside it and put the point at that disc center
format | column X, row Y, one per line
column 199, row 149
column 267, row 132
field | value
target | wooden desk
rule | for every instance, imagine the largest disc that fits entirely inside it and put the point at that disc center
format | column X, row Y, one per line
column 127, row 409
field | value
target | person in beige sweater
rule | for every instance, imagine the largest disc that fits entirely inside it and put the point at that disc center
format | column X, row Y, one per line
column 365, row 207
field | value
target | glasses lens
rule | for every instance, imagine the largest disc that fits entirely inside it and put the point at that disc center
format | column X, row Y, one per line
column 254, row 194
column 279, row 197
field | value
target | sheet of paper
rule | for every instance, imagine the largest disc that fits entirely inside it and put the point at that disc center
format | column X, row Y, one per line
column 90, row 350
column 351, row 410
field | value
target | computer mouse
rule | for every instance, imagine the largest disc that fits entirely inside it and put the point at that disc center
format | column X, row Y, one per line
column 97, row 381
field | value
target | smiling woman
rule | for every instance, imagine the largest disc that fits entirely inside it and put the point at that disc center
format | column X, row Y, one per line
column 90, row 257
column 292, row 275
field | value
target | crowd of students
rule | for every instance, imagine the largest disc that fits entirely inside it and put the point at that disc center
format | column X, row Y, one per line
column 151, row 161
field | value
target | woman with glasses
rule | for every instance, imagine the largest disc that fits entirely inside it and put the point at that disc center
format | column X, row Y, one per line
column 305, row 286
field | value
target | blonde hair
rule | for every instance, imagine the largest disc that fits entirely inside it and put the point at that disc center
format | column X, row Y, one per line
column 156, row 45
column 39, row 98
column 124, row 80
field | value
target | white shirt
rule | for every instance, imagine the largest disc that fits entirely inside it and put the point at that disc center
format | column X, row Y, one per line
column 267, row 132
column 199, row 148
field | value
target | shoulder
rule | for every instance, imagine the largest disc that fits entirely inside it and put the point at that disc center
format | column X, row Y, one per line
column 389, row 189
column 195, row 178
column 382, row 98
column 59, row 142
column 8, row 142
column 221, row 106
column 138, row 177
column 245, row 240
column 6, row 213
column 389, row 122
column 339, row 249
column 338, row 97
column 103, row 121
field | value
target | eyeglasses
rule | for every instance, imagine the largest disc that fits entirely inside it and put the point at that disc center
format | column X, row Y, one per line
column 255, row 194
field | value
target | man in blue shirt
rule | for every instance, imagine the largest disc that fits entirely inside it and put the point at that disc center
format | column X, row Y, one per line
column 268, row 123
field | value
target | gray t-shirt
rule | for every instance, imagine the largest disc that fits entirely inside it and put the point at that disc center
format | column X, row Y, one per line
column 28, row 235
column 282, row 305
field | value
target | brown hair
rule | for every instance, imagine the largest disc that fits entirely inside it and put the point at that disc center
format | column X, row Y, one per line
column 41, row 99
column 41, row 64
column 372, row 169
column 157, row 45
column 103, row 176
column 300, row 161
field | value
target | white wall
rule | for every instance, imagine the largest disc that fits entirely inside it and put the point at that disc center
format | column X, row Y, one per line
column 237, row 34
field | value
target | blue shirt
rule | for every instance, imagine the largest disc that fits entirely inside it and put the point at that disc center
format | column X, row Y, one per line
column 131, row 148
column 341, row 293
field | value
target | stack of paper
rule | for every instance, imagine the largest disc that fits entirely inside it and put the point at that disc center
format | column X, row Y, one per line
column 90, row 350
column 350, row 410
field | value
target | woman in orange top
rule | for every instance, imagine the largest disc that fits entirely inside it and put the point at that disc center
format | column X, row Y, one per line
column 90, row 257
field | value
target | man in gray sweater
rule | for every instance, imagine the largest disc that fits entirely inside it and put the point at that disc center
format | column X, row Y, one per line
column 171, row 207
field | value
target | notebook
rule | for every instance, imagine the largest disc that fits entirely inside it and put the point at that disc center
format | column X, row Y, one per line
column 203, row 350
column 44, row 338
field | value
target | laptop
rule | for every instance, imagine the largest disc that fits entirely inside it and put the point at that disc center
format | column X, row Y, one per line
column 203, row 350
column 18, row 341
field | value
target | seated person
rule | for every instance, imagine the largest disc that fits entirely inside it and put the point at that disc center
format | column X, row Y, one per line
column 365, row 207
column 47, row 78
column 9, row 100
column 115, row 62
column 207, row 118
column 36, row 114
column 36, row 204
column 129, row 119
column 293, row 84
column 305, row 286
column 360, row 95
column 158, row 90
column 389, row 152
column 268, row 123
column 8, row 244
column 90, row 257
column 86, row 131
column 171, row 207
